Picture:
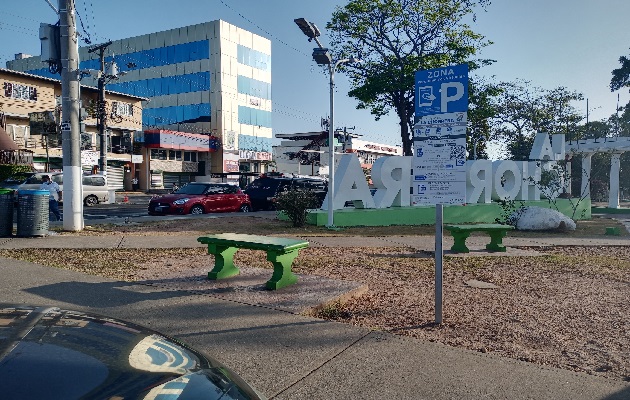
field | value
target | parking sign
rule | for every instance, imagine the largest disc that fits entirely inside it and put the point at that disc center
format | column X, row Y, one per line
column 442, row 90
column 439, row 138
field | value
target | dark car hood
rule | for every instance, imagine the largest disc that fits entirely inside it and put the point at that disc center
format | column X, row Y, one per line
column 50, row 353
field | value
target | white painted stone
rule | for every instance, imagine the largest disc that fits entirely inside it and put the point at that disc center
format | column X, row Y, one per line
column 480, row 284
column 541, row 219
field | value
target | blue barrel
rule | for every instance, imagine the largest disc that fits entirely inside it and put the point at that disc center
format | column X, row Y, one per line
column 6, row 212
column 32, row 216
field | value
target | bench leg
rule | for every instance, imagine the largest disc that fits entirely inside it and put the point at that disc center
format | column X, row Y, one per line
column 496, row 241
column 459, row 242
column 223, row 262
column 282, row 274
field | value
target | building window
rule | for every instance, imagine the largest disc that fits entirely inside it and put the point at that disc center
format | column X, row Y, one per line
column 253, row 58
column 175, row 155
column 253, row 116
column 158, row 154
column 370, row 158
column 22, row 92
column 190, row 156
column 254, row 87
column 124, row 109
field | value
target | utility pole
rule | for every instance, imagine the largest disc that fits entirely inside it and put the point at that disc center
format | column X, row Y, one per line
column 101, row 111
column 70, row 125
column 346, row 136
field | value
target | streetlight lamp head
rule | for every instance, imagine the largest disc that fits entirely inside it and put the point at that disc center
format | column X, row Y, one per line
column 309, row 29
column 355, row 60
column 322, row 56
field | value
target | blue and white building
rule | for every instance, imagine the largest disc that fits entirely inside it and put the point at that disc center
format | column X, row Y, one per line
column 212, row 78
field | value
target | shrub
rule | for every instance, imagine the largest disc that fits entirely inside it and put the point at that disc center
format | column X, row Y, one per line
column 511, row 212
column 296, row 203
column 8, row 170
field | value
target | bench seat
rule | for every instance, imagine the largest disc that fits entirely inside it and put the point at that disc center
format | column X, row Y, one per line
column 461, row 232
column 280, row 252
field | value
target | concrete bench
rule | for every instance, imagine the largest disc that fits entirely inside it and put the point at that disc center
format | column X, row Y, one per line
column 461, row 232
column 280, row 251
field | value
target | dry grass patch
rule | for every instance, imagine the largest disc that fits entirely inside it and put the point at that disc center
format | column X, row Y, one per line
column 568, row 309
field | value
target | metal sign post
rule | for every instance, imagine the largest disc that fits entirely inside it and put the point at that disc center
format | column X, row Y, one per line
column 439, row 255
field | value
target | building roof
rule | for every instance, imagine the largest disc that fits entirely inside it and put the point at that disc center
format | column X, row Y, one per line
column 43, row 78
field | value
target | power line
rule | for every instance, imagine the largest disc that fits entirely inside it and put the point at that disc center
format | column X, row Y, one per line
column 3, row 25
column 258, row 26
column 87, row 39
column 19, row 16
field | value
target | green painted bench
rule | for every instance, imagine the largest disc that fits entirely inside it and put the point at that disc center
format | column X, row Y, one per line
column 280, row 251
column 461, row 232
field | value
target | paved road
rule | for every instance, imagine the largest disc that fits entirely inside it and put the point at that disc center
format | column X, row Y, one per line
column 135, row 207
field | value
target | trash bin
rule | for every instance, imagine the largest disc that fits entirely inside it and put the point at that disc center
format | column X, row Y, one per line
column 6, row 212
column 32, row 216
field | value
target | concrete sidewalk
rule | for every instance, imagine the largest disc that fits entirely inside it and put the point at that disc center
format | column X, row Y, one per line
column 289, row 356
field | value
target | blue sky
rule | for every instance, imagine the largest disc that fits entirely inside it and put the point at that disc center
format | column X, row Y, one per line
column 571, row 43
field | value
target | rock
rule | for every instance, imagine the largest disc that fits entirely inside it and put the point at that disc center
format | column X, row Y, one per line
column 480, row 284
column 542, row 219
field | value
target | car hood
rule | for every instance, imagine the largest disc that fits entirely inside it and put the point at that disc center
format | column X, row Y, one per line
column 47, row 352
column 169, row 198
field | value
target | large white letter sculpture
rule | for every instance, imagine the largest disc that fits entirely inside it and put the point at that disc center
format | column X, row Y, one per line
column 350, row 184
column 486, row 180
column 392, row 178
column 479, row 181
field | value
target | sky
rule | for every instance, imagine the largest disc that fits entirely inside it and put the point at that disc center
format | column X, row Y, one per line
column 570, row 43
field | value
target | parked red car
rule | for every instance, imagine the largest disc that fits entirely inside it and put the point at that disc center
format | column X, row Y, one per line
column 201, row 198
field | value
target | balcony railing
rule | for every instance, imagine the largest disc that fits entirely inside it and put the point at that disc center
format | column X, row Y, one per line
column 16, row 157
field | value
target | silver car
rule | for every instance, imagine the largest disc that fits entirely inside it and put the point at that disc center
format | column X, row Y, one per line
column 94, row 186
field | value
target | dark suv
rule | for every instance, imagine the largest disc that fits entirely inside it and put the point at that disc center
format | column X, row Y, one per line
column 264, row 190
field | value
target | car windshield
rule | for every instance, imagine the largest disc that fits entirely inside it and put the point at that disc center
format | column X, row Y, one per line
column 191, row 189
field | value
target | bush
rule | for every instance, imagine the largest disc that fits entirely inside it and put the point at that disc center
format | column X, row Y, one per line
column 8, row 170
column 296, row 203
column 511, row 212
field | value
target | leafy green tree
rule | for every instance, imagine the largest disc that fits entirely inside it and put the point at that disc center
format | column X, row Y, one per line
column 624, row 121
column 481, row 109
column 522, row 110
column 621, row 75
column 620, row 123
column 594, row 130
column 396, row 38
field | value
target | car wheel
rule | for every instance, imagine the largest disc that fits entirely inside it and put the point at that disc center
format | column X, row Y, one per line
column 196, row 210
column 245, row 208
column 90, row 201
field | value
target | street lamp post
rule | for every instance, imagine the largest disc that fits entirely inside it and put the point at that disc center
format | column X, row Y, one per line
column 322, row 56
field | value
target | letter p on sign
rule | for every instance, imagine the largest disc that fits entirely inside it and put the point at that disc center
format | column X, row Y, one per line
column 444, row 94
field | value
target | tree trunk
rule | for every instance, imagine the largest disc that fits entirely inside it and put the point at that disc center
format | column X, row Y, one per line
column 403, row 116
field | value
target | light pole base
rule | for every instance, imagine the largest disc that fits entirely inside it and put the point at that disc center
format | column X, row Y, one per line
column 333, row 228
